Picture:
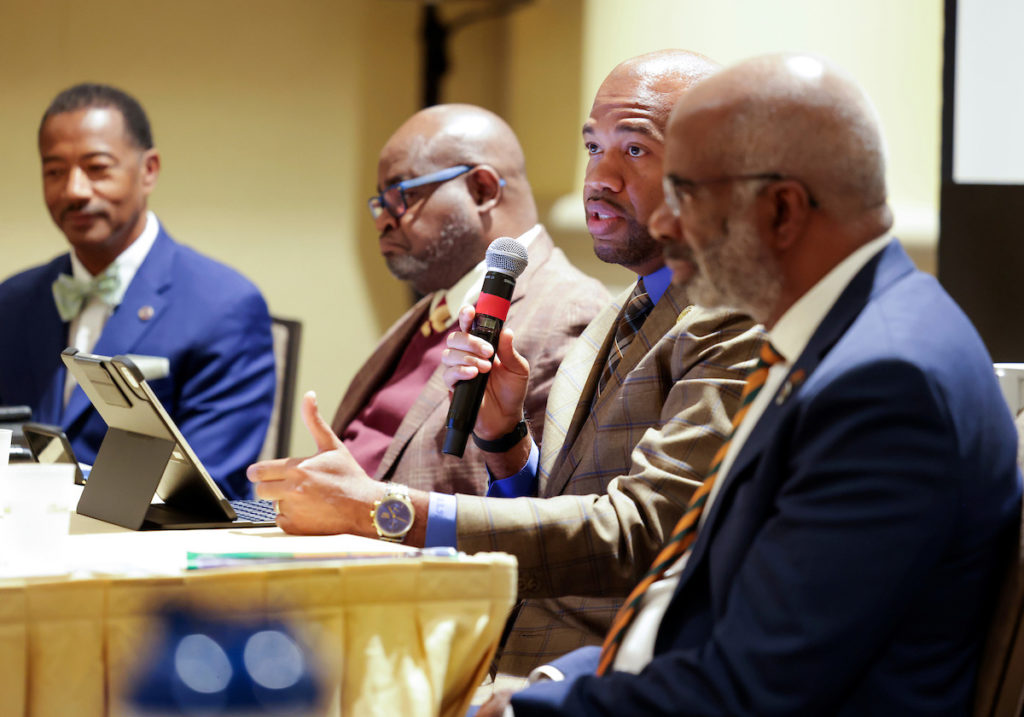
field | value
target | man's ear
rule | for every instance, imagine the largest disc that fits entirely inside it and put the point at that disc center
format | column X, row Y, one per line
column 150, row 169
column 485, row 187
column 784, row 212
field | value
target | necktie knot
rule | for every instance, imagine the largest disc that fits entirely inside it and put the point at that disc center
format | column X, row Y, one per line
column 69, row 293
column 438, row 319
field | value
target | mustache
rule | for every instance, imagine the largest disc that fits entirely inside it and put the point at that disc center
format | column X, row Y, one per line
column 603, row 197
column 77, row 207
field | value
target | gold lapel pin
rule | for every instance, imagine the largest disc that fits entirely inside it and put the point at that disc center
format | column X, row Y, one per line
column 146, row 313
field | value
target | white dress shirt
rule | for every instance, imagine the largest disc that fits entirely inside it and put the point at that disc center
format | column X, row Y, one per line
column 86, row 328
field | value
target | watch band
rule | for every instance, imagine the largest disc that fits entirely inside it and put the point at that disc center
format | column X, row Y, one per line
column 504, row 443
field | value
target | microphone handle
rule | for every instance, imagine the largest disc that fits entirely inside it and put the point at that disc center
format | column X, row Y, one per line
column 466, row 398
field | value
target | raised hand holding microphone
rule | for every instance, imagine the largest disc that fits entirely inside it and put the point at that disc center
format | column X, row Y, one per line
column 506, row 260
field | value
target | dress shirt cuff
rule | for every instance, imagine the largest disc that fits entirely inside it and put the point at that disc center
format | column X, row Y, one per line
column 441, row 513
column 519, row 484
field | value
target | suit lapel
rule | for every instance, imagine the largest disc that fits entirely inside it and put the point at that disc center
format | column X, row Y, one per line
column 128, row 324
column 663, row 317
column 582, row 431
column 890, row 264
column 569, row 398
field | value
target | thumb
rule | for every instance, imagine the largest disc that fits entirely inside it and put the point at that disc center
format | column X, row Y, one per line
column 511, row 360
column 322, row 434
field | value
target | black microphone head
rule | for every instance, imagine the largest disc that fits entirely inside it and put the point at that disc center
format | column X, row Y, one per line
column 507, row 256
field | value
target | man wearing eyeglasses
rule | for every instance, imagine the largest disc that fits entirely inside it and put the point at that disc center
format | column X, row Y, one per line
column 640, row 405
column 452, row 179
column 843, row 557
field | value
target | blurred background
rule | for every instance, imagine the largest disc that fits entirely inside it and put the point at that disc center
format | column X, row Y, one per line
column 269, row 115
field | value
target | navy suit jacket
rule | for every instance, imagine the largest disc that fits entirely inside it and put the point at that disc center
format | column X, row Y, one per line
column 207, row 320
column 850, row 562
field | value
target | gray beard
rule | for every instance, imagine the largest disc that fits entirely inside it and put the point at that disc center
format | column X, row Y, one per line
column 736, row 271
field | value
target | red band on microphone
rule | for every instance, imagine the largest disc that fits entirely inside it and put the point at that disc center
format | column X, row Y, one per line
column 492, row 306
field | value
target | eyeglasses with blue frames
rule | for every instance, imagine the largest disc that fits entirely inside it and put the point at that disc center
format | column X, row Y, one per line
column 679, row 192
column 392, row 199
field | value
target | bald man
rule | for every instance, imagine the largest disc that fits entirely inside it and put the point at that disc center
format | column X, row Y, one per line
column 845, row 557
column 452, row 179
column 630, row 431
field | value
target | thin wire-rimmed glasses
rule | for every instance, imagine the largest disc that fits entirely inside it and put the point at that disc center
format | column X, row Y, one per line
column 392, row 199
column 679, row 191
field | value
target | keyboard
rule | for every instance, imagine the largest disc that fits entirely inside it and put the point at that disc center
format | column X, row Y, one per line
column 254, row 511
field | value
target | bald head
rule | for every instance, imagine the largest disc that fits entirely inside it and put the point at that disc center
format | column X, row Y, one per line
column 448, row 135
column 655, row 81
column 802, row 117
column 432, row 233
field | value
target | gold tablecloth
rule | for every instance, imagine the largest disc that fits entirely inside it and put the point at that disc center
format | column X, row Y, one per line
column 399, row 636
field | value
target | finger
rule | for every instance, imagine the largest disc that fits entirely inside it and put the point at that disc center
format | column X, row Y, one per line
column 455, row 374
column 466, row 315
column 322, row 433
column 272, row 490
column 272, row 470
column 511, row 360
column 469, row 344
column 286, row 524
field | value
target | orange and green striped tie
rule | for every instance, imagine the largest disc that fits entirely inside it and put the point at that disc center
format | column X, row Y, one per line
column 685, row 532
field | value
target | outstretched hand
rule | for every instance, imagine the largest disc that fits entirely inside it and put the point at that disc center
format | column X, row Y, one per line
column 325, row 493
column 468, row 356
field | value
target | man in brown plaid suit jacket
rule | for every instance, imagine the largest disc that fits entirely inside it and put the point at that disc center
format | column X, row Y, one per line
column 434, row 236
column 616, row 469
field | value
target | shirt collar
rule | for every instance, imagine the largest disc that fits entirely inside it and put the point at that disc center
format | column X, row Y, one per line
column 795, row 328
column 127, row 262
column 657, row 282
column 467, row 289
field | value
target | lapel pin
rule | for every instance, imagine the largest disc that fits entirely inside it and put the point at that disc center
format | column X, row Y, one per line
column 793, row 381
column 146, row 313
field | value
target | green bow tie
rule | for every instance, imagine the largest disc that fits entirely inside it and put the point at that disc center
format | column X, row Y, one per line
column 70, row 293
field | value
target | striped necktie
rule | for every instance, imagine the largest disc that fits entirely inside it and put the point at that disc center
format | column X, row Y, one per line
column 633, row 316
column 685, row 532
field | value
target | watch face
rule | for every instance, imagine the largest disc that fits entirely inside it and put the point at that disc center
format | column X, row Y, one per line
column 393, row 517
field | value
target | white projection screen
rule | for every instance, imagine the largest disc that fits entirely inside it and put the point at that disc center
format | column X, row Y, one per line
column 981, row 235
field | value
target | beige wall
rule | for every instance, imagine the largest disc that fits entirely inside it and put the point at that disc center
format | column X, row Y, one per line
column 270, row 113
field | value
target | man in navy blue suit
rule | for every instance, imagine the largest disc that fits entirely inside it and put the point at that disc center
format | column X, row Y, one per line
column 128, row 288
column 850, row 547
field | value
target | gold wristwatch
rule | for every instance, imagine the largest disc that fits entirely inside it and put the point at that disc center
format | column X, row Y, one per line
column 393, row 514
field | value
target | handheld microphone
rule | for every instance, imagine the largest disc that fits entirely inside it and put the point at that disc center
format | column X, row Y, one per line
column 506, row 260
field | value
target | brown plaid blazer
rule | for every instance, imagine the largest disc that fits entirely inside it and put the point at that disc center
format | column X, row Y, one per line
column 543, row 334
column 615, row 485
